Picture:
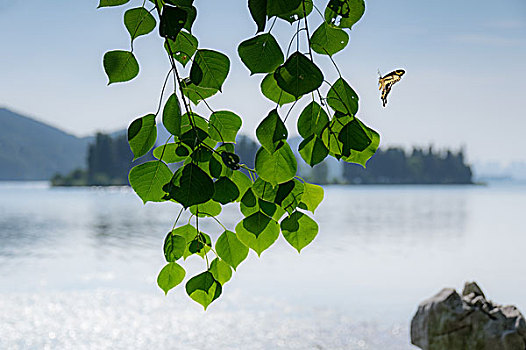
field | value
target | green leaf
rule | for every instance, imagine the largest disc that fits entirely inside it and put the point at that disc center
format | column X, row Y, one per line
column 183, row 3
column 190, row 186
column 189, row 233
column 209, row 69
column 249, row 203
column 312, row 120
column 276, row 167
column 148, row 179
column 299, row 230
column 281, row 7
column 298, row 75
column 264, row 190
column 272, row 132
column 312, row 196
column 327, row 40
column 344, row 13
column 289, row 195
column 258, row 11
column 120, row 66
column 170, row 276
column 271, row 90
column 242, row 182
column 363, row 156
column 261, row 54
column 260, row 242
column 209, row 209
column 196, row 93
column 139, row 21
column 174, row 247
column 299, row 12
column 173, row 19
column 172, row 115
column 231, row 249
column 226, row 191
column 221, row 271
column 109, row 3
column 200, row 245
column 353, row 137
column 330, row 135
column 313, row 150
column 223, row 126
column 183, row 48
column 215, row 168
column 342, row 98
column 142, row 134
column 203, row 288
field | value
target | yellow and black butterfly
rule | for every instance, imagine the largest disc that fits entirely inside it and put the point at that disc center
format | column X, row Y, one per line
column 387, row 81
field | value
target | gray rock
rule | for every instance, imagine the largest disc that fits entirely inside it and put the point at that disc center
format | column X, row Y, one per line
column 449, row 321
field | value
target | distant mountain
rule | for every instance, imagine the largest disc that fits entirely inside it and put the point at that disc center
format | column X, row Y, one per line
column 31, row 150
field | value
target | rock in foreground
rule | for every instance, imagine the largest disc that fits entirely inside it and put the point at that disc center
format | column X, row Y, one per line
column 449, row 321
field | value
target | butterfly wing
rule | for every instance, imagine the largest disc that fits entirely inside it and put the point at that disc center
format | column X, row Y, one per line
column 386, row 83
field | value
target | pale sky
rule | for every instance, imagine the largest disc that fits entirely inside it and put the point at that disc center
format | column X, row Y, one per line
column 465, row 62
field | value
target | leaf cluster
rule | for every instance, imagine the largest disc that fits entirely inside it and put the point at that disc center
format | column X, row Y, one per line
column 198, row 167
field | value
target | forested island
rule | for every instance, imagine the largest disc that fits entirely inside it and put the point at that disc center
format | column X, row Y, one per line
column 109, row 161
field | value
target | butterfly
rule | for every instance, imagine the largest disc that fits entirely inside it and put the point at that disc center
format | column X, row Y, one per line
column 387, row 81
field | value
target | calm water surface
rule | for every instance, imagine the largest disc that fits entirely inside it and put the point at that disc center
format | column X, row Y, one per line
column 78, row 269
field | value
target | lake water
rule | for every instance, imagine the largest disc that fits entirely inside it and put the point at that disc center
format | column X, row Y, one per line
column 78, row 269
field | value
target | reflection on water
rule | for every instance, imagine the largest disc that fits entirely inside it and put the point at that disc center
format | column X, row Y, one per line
column 380, row 251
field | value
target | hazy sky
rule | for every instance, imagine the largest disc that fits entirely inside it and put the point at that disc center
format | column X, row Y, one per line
column 465, row 63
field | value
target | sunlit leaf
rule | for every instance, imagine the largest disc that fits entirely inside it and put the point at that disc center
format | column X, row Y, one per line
column 170, row 276
column 299, row 230
column 312, row 120
column 223, row 126
column 172, row 115
column 191, row 186
column 342, row 98
column 196, row 93
column 231, row 249
column 142, row 134
column 271, row 90
column 203, row 288
column 313, row 150
column 298, row 75
column 363, row 156
column 209, row 208
column 242, row 182
column 209, row 69
column 174, row 247
column 261, row 54
column 263, row 240
column 148, row 179
column 120, row 66
column 276, row 167
column 281, row 7
column 272, row 132
column 299, row 12
column 139, row 21
column 327, row 40
column 264, row 190
column 312, row 196
column 183, row 48
column 354, row 137
column 344, row 13
column 289, row 195
column 221, row 271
